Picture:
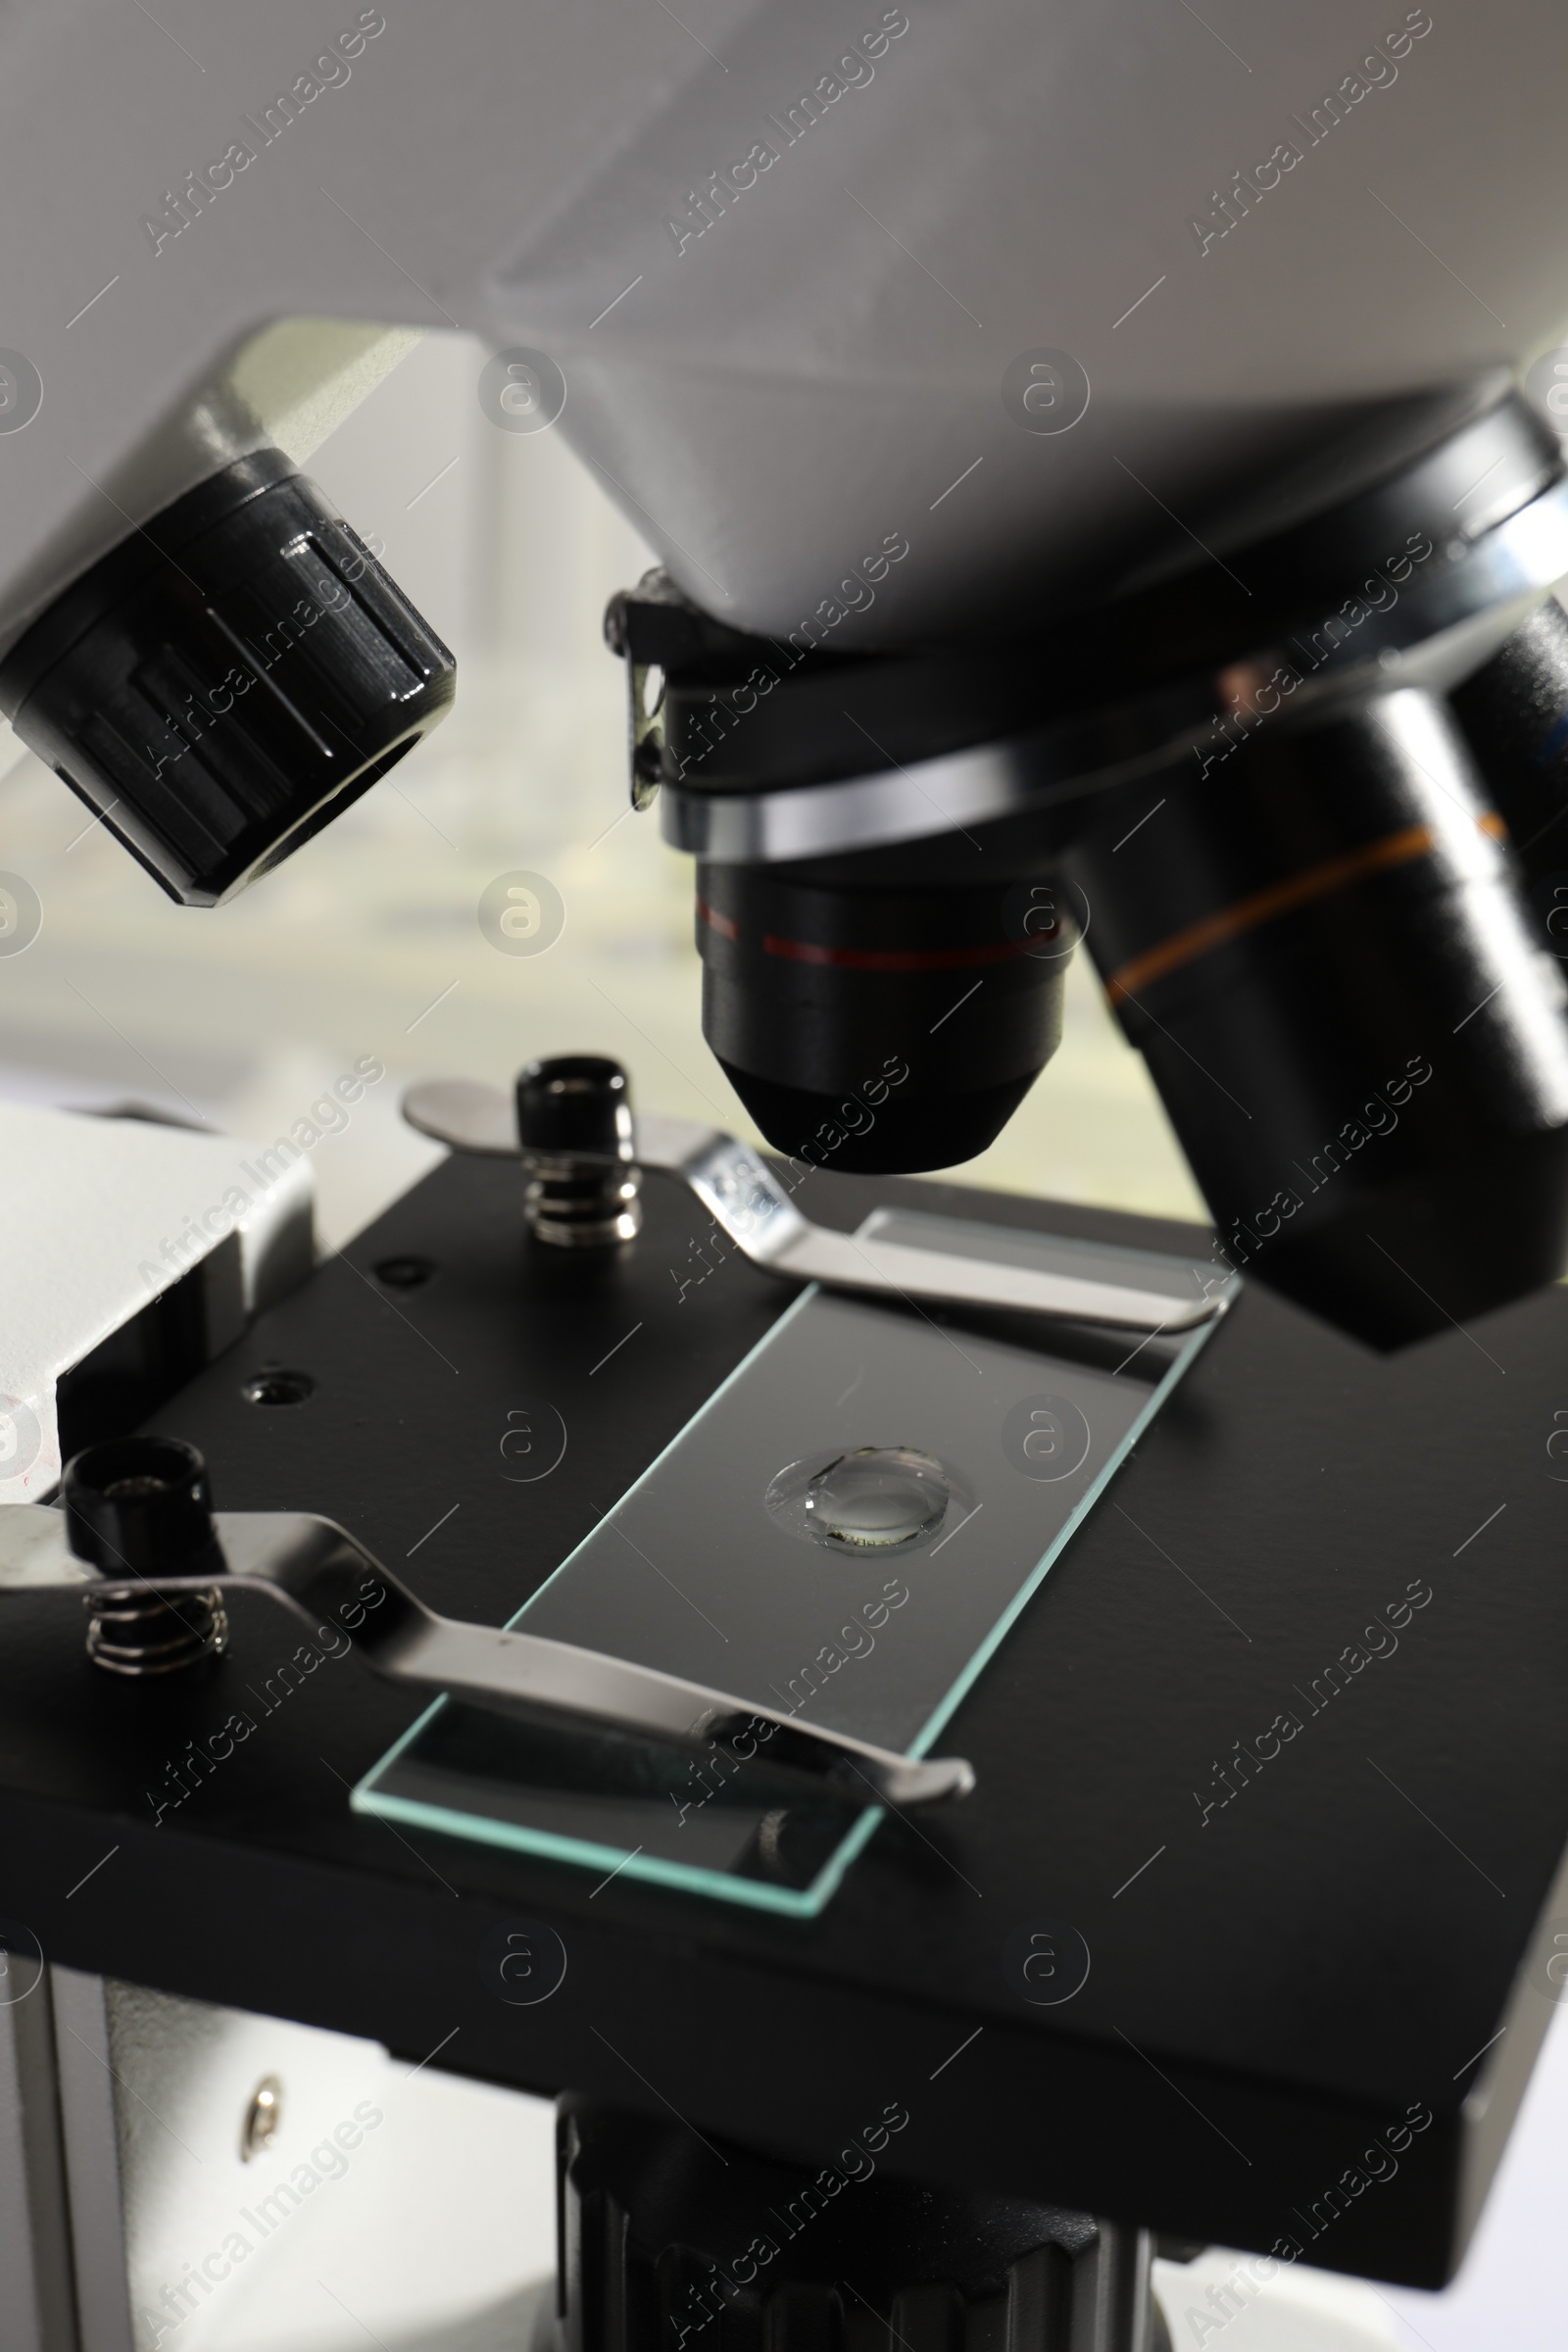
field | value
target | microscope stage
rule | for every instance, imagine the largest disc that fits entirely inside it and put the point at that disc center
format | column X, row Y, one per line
column 1242, row 1933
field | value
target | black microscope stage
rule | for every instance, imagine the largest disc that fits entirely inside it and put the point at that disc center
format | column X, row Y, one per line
column 1315, row 1980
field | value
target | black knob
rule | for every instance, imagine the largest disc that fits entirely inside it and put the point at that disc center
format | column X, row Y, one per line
column 580, row 1151
column 575, row 1104
column 228, row 679
column 140, row 1504
column 652, row 2227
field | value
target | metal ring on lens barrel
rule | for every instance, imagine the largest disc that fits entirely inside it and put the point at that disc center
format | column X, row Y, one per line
column 771, row 754
column 1323, row 956
column 574, row 1125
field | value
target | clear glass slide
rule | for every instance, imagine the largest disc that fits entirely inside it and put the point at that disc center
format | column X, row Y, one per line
column 846, row 1529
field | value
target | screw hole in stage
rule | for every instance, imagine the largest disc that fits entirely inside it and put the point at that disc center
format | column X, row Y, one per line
column 403, row 1273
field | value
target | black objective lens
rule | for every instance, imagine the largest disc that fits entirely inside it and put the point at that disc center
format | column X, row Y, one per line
column 872, row 1017
column 228, row 679
column 1319, row 945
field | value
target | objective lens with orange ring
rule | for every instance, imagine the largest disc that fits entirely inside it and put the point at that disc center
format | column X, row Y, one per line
column 1321, row 947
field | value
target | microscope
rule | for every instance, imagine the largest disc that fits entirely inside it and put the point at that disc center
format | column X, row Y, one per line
column 1108, row 497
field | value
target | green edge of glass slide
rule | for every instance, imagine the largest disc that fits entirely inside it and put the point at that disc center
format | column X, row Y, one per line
column 789, row 1902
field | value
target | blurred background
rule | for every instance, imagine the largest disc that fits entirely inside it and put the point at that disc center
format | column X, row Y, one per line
column 368, row 941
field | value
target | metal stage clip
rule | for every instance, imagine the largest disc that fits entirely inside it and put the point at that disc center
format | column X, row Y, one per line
column 318, row 1571
column 747, row 1202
